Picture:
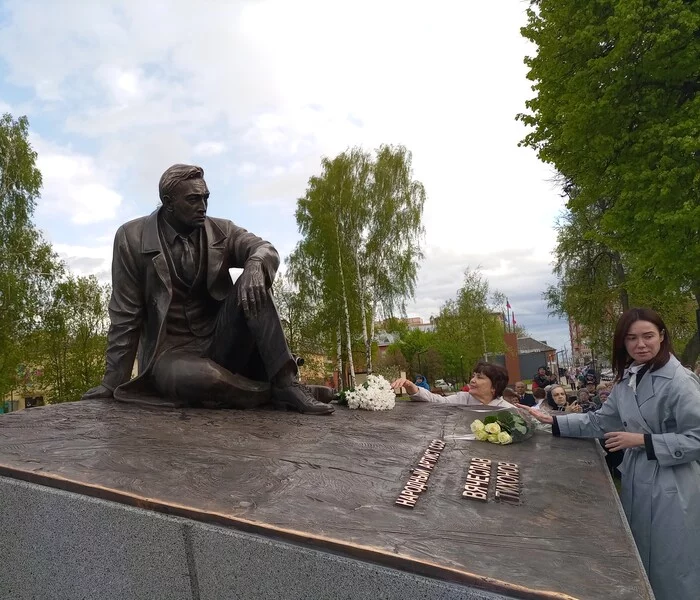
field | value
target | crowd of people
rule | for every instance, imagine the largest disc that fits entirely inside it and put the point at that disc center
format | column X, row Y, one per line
column 647, row 420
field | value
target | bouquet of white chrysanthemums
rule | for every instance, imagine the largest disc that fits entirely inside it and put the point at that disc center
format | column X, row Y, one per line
column 373, row 394
column 505, row 427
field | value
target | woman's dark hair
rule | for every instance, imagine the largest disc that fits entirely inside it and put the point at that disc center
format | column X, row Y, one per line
column 550, row 399
column 620, row 358
column 539, row 393
column 496, row 373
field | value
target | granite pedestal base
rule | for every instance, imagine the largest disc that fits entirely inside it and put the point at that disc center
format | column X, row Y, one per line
column 59, row 545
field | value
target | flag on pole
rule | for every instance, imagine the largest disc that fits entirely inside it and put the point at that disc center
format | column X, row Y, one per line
column 507, row 304
column 514, row 321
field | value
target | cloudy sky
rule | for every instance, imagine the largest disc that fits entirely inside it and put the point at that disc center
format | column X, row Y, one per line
column 257, row 92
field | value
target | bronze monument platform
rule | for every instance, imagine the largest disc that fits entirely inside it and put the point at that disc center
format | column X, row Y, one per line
column 330, row 483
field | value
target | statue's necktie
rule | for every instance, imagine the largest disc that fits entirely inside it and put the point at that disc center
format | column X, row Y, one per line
column 187, row 266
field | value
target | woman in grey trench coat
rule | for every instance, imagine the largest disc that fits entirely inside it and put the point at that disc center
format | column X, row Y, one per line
column 653, row 413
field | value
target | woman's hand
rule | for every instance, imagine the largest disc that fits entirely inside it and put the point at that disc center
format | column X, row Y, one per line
column 574, row 407
column 542, row 417
column 411, row 387
column 619, row 440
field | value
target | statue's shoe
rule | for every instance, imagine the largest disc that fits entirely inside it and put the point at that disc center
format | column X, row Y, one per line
column 323, row 393
column 250, row 386
column 300, row 398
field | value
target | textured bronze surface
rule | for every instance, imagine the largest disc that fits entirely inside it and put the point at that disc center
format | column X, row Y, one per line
column 332, row 484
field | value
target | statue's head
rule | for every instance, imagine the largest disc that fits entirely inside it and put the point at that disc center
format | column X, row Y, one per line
column 184, row 195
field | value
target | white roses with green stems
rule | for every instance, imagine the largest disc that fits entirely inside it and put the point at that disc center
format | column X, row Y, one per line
column 503, row 427
column 490, row 432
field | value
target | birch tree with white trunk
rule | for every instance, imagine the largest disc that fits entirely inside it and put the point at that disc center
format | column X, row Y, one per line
column 361, row 227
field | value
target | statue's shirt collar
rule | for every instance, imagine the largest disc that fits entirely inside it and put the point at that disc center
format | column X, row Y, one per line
column 170, row 235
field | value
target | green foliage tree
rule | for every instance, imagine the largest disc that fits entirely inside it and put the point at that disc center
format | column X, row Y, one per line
column 469, row 327
column 390, row 249
column 420, row 353
column 361, row 226
column 432, row 366
column 594, row 285
column 617, row 112
column 300, row 318
column 28, row 266
column 70, row 346
column 391, row 364
column 394, row 325
column 413, row 343
column 322, row 265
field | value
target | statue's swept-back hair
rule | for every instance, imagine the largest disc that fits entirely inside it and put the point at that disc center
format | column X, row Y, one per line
column 176, row 174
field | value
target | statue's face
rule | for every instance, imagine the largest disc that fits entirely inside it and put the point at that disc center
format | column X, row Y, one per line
column 188, row 203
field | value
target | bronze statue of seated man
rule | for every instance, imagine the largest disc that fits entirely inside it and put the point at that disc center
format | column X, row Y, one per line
column 201, row 339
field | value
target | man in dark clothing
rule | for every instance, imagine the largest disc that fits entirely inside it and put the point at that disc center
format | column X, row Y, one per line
column 592, row 394
column 543, row 378
column 201, row 340
column 523, row 396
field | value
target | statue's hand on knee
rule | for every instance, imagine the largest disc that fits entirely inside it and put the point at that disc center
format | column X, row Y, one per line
column 252, row 293
column 98, row 393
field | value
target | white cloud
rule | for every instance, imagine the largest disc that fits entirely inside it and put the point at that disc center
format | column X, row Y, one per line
column 123, row 86
column 87, row 260
column 246, row 169
column 73, row 185
column 209, row 149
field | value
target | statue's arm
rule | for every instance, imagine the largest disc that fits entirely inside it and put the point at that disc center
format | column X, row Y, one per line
column 246, row 247
column 125, row 312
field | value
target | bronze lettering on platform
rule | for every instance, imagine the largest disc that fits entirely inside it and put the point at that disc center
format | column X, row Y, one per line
column 418, row 479
column 508, row 482
column 475, row 471
column 478, row 481
column 475, row 495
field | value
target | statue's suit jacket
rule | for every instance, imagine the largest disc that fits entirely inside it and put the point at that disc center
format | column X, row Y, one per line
column 142, row 291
